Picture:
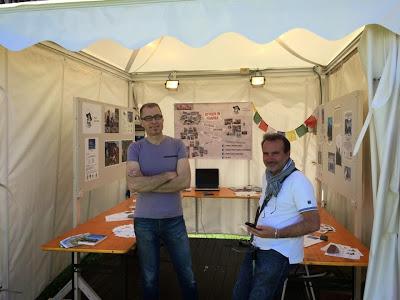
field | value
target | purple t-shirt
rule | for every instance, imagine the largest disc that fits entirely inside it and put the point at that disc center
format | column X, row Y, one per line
column 153, row 160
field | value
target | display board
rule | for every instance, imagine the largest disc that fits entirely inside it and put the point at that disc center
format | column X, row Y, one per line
column 103, row 135
column 215, row 130
column 339, row 124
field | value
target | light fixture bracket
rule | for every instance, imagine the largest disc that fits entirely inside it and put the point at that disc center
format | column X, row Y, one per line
column 257, row 80
column 172, row 83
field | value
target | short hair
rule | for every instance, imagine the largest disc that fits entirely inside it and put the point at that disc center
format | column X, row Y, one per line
column 148, row 105
column 277, row 137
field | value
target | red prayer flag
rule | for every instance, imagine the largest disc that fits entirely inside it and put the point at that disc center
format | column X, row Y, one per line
column 311, row 121
column 263, row 126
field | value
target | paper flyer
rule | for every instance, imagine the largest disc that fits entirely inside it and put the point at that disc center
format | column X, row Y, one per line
column 91, row 118
column 91, row 159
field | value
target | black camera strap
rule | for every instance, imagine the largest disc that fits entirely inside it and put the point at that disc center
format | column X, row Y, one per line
column 265, row 202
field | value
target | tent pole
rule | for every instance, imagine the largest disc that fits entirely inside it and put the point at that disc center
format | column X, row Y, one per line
column 4, row 211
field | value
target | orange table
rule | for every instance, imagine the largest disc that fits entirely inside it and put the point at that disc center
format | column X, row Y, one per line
column 98, row 224
column 112, row 244
column 222, row 193
column 314, row 256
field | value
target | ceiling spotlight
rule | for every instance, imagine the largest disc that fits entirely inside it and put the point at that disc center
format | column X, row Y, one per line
column 257, row 80
column 172, row 83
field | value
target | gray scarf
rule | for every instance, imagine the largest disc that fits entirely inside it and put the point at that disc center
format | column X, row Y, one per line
column 274, row 185
column 274, row 182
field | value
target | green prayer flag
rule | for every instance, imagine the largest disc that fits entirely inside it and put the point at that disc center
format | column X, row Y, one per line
column 301, row 130
column 257, row 118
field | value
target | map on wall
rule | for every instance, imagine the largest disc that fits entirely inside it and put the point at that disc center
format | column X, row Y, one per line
column 215, row 130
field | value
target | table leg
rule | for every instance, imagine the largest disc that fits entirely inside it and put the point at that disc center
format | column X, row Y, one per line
column 73, row 275
column 356, row 283
column 196, row 212
column 76, row 259
column 248, row 209
column 308, row 284
column 126, row 272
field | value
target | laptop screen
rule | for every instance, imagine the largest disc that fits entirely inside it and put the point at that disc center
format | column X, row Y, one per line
column 207, row 178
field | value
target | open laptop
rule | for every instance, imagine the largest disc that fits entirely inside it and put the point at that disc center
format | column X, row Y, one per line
column 207, row 180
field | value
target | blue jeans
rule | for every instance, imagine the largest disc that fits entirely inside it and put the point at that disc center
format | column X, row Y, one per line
column 266, row 280
column 172, row 231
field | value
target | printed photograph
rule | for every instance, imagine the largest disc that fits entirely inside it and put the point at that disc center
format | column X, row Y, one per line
column 348, row 119
column 329, row 131
column 92, row 144
column 347, row 173
column 111, row 120
column 111, row 153
column 125, row 145
column 331, row 162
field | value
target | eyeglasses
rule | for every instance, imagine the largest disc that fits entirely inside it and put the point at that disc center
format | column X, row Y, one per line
column 156, row 117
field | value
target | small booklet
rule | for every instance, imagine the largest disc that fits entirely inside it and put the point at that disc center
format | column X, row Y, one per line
column 90, row 239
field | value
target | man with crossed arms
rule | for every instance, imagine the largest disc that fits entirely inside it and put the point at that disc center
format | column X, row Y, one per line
column 158, row 169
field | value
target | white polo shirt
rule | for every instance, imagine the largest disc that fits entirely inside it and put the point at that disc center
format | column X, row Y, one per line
column 296, row 196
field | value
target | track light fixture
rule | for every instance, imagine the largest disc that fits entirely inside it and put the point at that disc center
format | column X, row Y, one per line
column 172, row 83
column 257, row 80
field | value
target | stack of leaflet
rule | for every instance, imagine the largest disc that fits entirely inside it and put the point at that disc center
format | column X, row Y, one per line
column 344, row 251
column 310, row 240
column 125, row 231
column 121, row 216
column 89, row 239
column 325, row 228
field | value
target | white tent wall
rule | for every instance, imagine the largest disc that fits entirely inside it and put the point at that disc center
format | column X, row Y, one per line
column 3, row 174
column 345, row 79
column 380, row 54
column 284, row 103
column 40, row 87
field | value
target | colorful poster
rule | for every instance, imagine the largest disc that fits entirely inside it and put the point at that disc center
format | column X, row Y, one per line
column 91, row 118
column 215, row 130
column 91, row 159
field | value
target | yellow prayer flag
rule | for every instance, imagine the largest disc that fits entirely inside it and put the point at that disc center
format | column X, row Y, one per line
column 291, row 135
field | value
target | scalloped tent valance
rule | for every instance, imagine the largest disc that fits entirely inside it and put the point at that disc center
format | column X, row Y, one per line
column 110, row 30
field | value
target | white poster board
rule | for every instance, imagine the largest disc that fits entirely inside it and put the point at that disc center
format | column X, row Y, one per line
column 215, row 130
column 339, row 124
column 103, row 135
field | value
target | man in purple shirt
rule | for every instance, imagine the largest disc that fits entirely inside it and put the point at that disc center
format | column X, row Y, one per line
column 158, row 169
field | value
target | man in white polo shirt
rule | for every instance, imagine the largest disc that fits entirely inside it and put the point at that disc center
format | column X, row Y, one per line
column 287, row 211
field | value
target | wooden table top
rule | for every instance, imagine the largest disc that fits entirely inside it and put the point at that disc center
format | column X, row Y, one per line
column 313, row 255
column 222, row 193
column 98, row 224
column 113, row 244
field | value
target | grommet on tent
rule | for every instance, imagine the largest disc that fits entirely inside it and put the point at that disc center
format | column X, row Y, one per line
column 172, row 83
column 257, row 80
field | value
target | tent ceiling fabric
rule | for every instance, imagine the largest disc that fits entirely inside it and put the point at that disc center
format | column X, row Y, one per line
column 134, row 24
column 229, row 51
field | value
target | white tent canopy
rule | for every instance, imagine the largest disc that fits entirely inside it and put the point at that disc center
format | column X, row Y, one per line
column 141, row 37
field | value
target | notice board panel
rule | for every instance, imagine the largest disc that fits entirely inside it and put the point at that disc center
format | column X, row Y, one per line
column 339, row 124
column 103, row 133
column 215, row 130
